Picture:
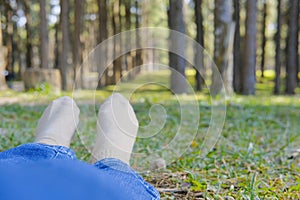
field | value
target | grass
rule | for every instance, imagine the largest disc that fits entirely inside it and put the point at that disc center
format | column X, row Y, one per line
column 251, row 160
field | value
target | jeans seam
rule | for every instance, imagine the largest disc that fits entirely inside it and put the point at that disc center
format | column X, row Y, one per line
column 57, row 150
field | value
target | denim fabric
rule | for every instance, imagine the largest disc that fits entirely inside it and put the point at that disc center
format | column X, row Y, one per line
column 35, row 152
column 57, row 180
column 127, row 178
column 120, row 174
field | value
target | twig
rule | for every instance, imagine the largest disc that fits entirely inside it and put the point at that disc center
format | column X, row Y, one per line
column 175, row 190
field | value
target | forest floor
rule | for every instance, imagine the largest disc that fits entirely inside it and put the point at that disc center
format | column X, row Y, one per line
column 257, row 156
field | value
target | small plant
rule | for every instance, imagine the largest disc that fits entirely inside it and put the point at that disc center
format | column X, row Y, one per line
column 42, row 88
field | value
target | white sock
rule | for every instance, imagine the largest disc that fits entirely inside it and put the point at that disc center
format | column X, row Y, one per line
column 117, row 128
column 58, row 122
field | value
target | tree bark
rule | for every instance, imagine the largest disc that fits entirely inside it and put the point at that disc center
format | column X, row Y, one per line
column 17, row 51
column 248, row 72
column 292, row 43
column 64, row 56
column 9, row 42
column 278, row 49
column 57, row 49
column 138, row 60
column 129, row 56
column 44, row 41
column 3, row 85
column 237, row 49
column 176, row 23
column 223, row 25
column 29, row 53
column 200, row 40
column 77, row 49
column 103, row 34
column 117, row 64
column 103, row 17
column 264, row 39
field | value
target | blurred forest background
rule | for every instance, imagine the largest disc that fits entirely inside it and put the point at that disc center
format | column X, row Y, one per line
column 47, row 40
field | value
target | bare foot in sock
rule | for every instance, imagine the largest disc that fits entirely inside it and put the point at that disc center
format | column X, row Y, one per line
column 58, row 123
column 117, row 128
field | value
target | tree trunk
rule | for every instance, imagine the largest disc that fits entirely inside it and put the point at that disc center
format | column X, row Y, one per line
column 65, row 51
column 278, row 49
column 3, row 85
column 3, row 53
column 103, row 17
column 77, row 49
column 138, row 53
column 44, row 41
column 57, row 49
column 200, row 40
column 292, row 43
column 9, row 43
column 103, row 34
column 129, row 56
column 17, row 51
column 177, row 63
column 237, row 63
column 223, row 26
column 264, row 39
column 29, row 53
column 117, row 64
column 248, row 72
column 147, row 54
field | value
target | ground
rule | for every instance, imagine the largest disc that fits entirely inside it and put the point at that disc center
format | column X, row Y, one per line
column 256, row 156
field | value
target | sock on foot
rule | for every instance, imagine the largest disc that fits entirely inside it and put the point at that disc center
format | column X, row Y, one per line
column 58, row 123
column 117, row 128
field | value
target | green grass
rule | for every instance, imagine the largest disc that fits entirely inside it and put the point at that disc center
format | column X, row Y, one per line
column 250, row 161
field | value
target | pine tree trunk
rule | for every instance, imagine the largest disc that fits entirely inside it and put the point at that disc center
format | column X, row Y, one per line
column 278, row 49
column 117, row 64
column 3, row 85
column 138, row 53
column 176, row 22
column 200, row 70
column 237, row 62
column 65, row 51
column 9, row 42
column 77, row 49
column 264, row 39
column 57, row 49
column 44, row 42
column 129, row 56
column 249, row 67
column 103, row 34
column 223, row 26
column 29, row 53
column 292, row 43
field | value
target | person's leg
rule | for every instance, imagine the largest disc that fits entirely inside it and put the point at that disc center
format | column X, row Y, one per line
column 123, row 175
column 117, row 128
column 53, row 135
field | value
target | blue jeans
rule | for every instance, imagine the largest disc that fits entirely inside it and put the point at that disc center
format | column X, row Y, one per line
column 120, row 173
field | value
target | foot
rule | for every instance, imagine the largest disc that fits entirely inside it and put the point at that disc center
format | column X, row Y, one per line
column 58, row 122
column 117, row 128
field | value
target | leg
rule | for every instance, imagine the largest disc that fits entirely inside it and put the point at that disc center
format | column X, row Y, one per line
column 131, row 182
column 53, row 135
column 117, row 128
